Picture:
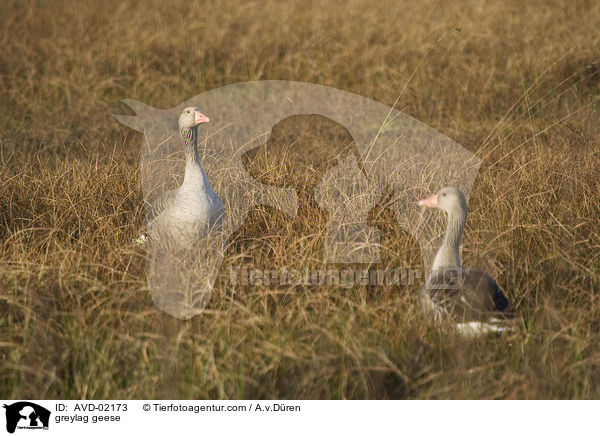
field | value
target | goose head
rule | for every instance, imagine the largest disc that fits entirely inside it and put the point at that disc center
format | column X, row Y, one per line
column 191, row 117
column 450, row 200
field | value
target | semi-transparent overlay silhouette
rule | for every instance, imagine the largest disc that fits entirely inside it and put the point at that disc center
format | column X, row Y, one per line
column 394, row 155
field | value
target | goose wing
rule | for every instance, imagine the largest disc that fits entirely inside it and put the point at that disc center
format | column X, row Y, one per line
column 160, row 204
column 469, row 295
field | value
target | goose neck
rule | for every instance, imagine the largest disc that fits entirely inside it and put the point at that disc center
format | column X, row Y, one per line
column 448, row 255
column 194, row 173
column 190, row 140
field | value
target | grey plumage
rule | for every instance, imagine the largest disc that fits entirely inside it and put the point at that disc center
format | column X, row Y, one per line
column 159, row 204
column 469, row 298
column 468, row 295
column 179, row 216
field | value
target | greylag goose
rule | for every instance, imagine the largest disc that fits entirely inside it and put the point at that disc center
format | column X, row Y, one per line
column 469, row 298
column 181, row 215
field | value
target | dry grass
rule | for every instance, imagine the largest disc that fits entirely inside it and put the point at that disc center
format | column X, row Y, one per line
column 518, row 84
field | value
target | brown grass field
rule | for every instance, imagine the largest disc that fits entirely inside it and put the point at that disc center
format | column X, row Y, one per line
column 517, row 83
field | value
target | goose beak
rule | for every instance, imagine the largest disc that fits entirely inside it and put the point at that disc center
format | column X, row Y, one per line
column 430, row 202
column 200, row 118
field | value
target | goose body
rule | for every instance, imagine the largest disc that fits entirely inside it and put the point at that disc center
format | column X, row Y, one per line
column 469, row 298
column 181, row 215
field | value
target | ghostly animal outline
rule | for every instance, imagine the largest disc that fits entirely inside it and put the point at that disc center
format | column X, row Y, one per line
column 396, row 151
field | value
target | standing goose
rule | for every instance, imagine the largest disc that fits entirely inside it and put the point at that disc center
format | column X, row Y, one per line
column 181, row 215
column 469, row 298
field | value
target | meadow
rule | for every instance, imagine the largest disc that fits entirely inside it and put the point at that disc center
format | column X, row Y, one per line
column 516, row 83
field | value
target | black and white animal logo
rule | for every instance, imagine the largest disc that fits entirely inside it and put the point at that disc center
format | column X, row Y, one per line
column 26, row 415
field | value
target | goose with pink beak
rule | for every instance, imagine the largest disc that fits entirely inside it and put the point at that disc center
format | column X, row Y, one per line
column 180, row 216
column 469, row 299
